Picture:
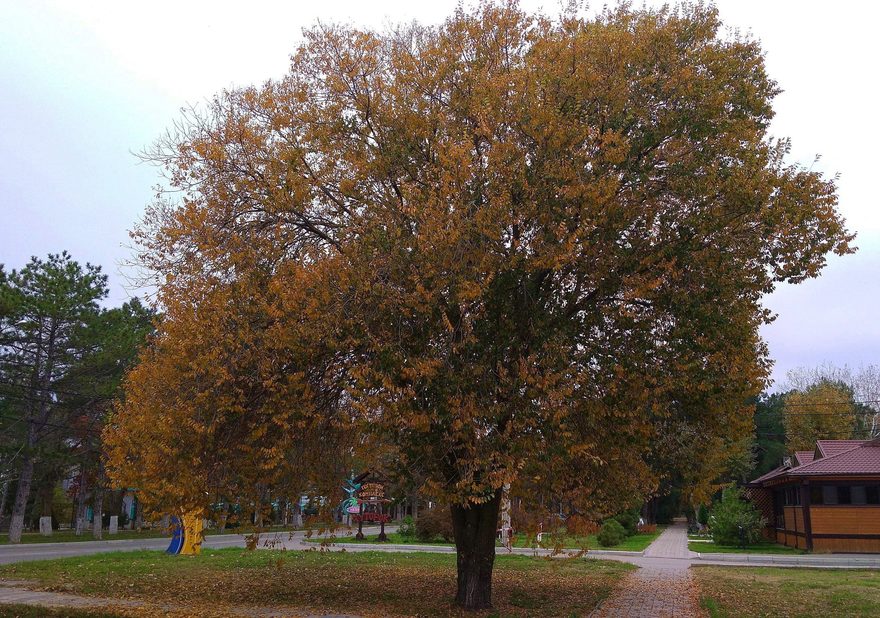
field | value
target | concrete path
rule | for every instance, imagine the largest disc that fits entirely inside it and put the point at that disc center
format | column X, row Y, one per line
column 663, row 587
column 13, row 592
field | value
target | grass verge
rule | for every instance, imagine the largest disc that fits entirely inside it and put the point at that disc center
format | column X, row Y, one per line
column 759, row 548
column 637, row 542
column 748, row 591
column 370, row 583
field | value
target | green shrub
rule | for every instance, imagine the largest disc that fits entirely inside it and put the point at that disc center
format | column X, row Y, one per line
column 703, row 515
column 734, row 520
column 629, row 520
column 433, row 524
column 611, row 533
column 407, row 528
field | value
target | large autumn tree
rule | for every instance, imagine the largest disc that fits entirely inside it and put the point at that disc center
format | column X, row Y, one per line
column 503, row 246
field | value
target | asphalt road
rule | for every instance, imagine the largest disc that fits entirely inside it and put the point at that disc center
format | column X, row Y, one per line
column 278, row 540
column 44, row 551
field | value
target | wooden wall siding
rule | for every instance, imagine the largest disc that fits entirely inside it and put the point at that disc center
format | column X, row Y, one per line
column 792, row 540
column 794, row 519
column 845, row 520
column 854, row 546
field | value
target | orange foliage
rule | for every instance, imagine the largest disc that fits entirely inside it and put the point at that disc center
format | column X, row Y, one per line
column 511, row 249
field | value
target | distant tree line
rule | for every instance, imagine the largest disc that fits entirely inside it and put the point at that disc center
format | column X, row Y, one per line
column 817, row 403
column 62, row 359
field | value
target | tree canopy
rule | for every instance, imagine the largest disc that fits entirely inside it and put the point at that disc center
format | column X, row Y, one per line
column 824, row 411
column 507, row 246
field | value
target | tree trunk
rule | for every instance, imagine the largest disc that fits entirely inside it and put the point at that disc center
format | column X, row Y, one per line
column 649, row 511
column 98, row 513
column 16, row 524
column 414, row 505
column 80, row 510
column 3, row 495
column 47, row 496
column 475, row 527
column 98, row 504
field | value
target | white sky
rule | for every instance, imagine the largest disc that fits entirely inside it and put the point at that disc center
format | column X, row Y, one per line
column 84, row 84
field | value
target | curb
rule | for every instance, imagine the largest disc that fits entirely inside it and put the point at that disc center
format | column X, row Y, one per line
column 849, row 562
column 438, row 548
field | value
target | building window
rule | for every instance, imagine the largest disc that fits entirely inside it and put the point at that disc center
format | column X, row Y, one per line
column 792, row 496
column 857, row 493
column 829, row 494
column 844, row 494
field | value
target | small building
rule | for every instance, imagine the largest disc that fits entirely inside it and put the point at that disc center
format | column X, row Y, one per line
column 825, row 500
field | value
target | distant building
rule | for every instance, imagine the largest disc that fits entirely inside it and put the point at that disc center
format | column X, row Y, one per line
column 825, row 500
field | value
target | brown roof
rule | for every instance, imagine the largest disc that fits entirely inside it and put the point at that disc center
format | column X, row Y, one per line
column 772, row 474
column 843, row 457
column 859, row 457
column 804, row 457
column 833, row 447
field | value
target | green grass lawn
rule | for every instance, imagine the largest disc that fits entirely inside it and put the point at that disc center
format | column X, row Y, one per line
column 345, row 536
column 67, row 536
column 374, row 583
column 758, row 548
column 749, row 591
column 637, row 542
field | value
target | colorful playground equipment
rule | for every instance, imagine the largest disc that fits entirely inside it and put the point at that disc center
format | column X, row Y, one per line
column 186, row 535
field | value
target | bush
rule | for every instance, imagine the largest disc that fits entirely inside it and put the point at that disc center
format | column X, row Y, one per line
column 407, row 528
column 703, row 515
column 734, row 520
column 611, row 534
column 433, row 524
column 629, row 520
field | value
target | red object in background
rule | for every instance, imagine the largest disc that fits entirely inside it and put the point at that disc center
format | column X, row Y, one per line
column 376, row 517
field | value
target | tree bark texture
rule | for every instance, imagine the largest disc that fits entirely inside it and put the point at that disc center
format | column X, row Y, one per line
column 3, row 495
column 98, row 504
column 79, row 514
column 26, row 475
column 475, row 527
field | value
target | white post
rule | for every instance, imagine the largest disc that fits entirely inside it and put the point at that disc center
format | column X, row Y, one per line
column 114, row 524
column 46, row 526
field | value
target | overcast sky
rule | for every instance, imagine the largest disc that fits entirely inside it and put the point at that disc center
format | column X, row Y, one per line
column 85, row 84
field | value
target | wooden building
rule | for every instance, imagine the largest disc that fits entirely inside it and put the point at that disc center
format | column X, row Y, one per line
column 825, row 500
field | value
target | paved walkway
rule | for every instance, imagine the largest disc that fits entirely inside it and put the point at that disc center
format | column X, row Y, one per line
column 11, row 592
column 663, row 587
